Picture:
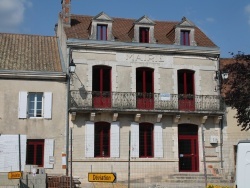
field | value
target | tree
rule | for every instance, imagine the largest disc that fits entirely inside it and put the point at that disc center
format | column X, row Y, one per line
column 236, row 89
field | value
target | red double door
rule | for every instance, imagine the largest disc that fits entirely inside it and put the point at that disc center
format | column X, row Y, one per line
column 145, row 88
column 101, row 84
column 188, row 148
column 186, row 90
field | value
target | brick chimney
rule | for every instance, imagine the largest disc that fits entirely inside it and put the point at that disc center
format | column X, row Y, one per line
column 65, row 13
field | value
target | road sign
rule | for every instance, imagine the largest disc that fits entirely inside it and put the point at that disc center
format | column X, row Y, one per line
column 15, row 175
column 102, row 177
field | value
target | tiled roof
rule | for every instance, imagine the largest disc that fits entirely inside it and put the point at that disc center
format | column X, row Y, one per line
column 29, row 53
column 164, row 30
column 226, row 61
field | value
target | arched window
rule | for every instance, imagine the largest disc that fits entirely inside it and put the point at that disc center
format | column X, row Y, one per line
column 186, row 90
column 145, row 88
column 101, row 86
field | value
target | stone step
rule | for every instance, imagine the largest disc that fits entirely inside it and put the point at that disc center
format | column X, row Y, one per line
column 194, row 177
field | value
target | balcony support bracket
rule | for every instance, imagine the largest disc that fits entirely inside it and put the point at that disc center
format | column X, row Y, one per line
column 217, row 119
column 203, row 119
column 73, row 116
column 92, row 116
column 137, row 117
column 177, row 118
column 159, row 116
column 115, row 116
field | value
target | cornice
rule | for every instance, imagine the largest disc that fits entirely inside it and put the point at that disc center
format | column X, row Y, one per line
column 144, row 47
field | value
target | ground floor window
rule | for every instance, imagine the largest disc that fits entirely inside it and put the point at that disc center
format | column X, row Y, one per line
column 146, row 140
column 102, row 139
column 35, row 152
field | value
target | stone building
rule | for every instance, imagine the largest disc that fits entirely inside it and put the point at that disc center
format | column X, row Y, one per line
column 143, row 97
column 232, row 133
column 33, row 104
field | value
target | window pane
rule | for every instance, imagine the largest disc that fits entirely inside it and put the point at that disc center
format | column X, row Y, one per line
column 35, row 104
column 35, row 152
column 146, row 140
column 102, row 139
column 30, row 154
column 39, row 155
column 104, row 32
column 185, row 38
column 101, row 32
column 144, row 35
column 31, row 104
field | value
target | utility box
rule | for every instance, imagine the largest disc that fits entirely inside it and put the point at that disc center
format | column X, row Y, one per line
column 243, row 164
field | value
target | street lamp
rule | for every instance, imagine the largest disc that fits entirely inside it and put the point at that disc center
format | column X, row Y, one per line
column 72, row 67
column 220, row 76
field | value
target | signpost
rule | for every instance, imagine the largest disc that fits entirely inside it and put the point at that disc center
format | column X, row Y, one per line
column 102, row 177
column 15, row 175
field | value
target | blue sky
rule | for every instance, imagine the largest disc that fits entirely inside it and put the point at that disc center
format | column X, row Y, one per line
column 226, row 22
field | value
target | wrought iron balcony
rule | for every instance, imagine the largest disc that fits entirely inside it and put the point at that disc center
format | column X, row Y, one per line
column 129, row 101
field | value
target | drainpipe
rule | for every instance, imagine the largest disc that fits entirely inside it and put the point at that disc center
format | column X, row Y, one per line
column 221, row 142
column 204, row 153
column 67, row 114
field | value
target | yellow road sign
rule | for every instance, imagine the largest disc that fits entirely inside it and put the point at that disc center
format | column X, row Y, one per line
column 15, row 175
column 102, row 177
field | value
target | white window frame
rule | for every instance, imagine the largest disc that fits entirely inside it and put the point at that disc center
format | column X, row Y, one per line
column 23, row 109
column 34, row 114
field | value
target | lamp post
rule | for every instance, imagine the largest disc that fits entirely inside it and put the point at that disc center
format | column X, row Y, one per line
column 71, row 71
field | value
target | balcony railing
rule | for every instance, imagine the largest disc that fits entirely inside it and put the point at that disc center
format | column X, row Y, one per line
column 89, row 100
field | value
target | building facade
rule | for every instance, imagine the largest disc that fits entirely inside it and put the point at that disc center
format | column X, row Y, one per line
column 33, row 105
column 232, row 133
column 143, row 99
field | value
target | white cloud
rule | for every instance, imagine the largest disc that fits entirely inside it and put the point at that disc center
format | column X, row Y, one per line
column 12, row 14
column 247, row 11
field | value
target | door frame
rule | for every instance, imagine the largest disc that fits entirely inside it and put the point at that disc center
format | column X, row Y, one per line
column 194, row 144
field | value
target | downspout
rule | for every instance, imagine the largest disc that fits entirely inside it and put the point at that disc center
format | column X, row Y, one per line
column 221, row 142
column 223, row 108
column 67, row 114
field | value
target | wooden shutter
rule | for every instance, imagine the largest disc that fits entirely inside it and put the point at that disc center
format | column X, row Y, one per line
column 134, row 140
column 22, row 107
column 48, row 152
column 47, row 105
column 89, row 139
column 115, row 139
column 158, row 142
column 9, row 149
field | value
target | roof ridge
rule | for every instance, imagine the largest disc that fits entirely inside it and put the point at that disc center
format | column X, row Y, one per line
column 26, row 34
column 134, row 19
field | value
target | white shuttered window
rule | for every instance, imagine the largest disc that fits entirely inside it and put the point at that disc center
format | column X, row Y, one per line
column 48, row 153
column 134, row 140
column 114, row 139
column 35, row 105
column 89, row 139
column 9, row 152
column 158, row 142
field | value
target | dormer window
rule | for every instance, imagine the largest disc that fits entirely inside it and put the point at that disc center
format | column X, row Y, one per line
column 101, row 27
column 185, row 38
column 144, row 35
column 184, row 33
column 101, row 32
column 143, row 30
